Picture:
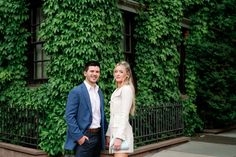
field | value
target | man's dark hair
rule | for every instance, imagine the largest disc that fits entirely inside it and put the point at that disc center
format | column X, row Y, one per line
column 91, row 63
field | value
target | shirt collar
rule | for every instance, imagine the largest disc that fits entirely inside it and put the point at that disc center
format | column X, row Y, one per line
column 89, row 87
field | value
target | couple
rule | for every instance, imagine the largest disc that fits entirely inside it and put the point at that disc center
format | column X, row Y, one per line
column 85, row 117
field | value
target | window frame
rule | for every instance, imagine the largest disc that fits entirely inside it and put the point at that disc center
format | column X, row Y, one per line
column 37, row 59
column 181, row 48
column 129, row 10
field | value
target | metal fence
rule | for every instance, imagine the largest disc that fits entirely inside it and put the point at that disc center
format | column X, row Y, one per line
column 154, row 124
column 20, row 126
column 150, row 124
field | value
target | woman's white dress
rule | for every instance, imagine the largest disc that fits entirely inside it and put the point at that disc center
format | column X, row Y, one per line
column 119, row 126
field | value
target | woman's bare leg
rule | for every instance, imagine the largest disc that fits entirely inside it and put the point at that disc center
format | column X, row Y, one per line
column 120, row 155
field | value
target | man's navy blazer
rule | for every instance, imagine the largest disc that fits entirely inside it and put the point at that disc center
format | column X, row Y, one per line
column 78, row 116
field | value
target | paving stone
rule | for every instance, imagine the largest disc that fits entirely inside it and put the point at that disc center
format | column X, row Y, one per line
column 205, row 145
column 168, row 153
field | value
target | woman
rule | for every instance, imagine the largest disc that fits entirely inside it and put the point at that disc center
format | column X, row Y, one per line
column 121, row 105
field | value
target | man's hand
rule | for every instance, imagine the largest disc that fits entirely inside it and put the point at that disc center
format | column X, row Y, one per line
column 82, row 140
column 107, row 141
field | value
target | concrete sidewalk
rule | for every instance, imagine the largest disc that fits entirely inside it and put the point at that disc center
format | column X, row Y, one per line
column 205, row 145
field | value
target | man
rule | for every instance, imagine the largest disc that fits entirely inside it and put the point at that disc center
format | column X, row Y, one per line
column 85, row 117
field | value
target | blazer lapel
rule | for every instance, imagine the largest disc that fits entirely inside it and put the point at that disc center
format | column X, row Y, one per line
column 101, row 100
column 87, row 98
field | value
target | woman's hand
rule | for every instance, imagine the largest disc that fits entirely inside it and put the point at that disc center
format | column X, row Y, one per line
column 117, row 143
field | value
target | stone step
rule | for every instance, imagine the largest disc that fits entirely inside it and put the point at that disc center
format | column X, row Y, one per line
column 168, row 153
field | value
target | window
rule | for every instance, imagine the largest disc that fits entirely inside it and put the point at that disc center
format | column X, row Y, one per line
column 182, row 68
column 38, row 60
column 129, row 10
column 128, row 42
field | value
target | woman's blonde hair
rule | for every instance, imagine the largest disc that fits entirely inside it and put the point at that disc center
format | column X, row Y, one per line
column 129, row 81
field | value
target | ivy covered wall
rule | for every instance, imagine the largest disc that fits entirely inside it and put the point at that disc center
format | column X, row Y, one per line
column 74, row 33
column 211, row 48
column 13, row 41
column 77, row 31
column 158, row 59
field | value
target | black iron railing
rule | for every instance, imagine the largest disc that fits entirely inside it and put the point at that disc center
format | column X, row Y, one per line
column 154, row 124
column 20, row 125
column 150, row 124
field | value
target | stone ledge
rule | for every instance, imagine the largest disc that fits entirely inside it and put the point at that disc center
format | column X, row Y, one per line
column 147, row 149
column 139, row 152
column 21, row 149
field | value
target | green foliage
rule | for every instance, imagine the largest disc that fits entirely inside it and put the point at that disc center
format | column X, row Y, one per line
column 211, row 47
column 157, row 60
column 12, row 41
column 74, row 33
column 77, row 31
